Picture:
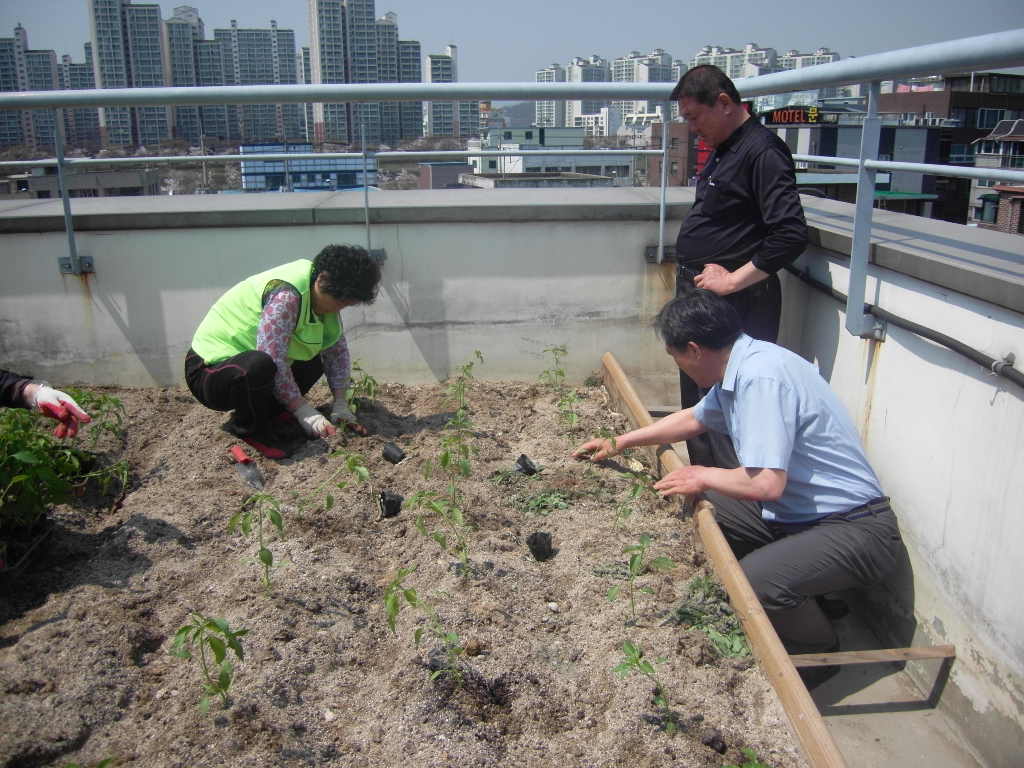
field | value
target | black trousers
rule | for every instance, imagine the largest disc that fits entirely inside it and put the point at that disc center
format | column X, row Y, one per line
column 789, row 564
column 760, row 308
column 245, row 384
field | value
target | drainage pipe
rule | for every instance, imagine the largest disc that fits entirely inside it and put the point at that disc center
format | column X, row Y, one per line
column 999, row 367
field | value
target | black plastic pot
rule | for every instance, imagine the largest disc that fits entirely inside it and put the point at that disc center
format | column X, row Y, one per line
column 525, row 465
column 393, row 453
column 390, row 504
column 539, row 543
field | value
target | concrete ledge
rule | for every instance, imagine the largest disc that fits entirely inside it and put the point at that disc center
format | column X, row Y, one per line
column 979, row 263
column 976, row 262
column 300, row 209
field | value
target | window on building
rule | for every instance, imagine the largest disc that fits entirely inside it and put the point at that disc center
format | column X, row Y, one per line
column 508, row 135
column 673, row 168
column 492, row 164
column 987, row 118
column 529, row 134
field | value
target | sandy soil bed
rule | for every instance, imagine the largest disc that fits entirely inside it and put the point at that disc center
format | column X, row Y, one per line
column 85, row 668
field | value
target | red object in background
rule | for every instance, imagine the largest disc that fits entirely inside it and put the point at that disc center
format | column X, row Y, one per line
column 703, row 155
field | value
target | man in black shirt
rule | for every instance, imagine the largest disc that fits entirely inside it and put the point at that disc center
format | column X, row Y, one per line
column 746, row 222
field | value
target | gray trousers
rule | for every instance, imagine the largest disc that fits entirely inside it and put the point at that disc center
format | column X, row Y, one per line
column 789, row 564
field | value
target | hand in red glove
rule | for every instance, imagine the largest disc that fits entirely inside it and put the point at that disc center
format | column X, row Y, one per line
column 58, row 405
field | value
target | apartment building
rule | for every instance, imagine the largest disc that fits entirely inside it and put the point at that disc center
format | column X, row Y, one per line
column 460, row 119
column 550, row 113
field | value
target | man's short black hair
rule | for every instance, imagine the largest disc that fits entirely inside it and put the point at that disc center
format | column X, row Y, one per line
column 700, row 316
column 703, row 84
column 351, row 274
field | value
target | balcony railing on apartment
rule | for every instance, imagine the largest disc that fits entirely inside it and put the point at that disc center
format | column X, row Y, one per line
column 1001, row 49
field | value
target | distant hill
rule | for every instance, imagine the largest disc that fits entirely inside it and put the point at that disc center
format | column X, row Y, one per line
column 520, row 114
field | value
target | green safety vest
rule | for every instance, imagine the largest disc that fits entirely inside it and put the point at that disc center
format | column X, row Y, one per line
column 229, row 328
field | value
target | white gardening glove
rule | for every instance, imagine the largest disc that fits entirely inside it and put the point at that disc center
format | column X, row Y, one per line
column 313, row 422
column 58, row 405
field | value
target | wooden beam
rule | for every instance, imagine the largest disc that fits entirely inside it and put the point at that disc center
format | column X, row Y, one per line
column 873, row 657
column 815, row 740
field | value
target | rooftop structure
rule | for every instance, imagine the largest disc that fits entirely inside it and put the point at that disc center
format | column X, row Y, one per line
column 920, row 348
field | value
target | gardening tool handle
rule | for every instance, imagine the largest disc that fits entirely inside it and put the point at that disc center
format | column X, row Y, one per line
column 238, row 454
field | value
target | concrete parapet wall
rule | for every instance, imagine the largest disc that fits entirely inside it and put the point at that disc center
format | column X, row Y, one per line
column 500, row 272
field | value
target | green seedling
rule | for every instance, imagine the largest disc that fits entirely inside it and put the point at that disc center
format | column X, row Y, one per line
column 458, row 385
column 106, row 411
column 751, row 761
column 213, row 636
column 455, row 458
column 622, row 513
column 37, row 470
column 395, row 596
column 641, row 484
column 258, row 510
column 567, row 403
column 353, row 464
column 554, row 377
column 638, row 566
column 452, row 534
column 361, row 384
column 634, row 662
column 544, row 502
column 706, row 610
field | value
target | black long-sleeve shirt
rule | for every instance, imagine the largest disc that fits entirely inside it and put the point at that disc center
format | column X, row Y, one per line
column 747, row 207
column 11, row 388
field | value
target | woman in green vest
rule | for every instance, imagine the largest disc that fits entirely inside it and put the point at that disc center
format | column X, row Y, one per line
column 267, row 340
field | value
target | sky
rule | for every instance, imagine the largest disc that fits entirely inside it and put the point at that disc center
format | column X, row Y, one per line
column 508, row 42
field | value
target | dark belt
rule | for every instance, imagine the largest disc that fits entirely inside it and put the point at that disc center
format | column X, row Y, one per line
column 873, row 507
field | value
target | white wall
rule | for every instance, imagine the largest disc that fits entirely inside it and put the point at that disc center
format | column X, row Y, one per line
column 946, row 438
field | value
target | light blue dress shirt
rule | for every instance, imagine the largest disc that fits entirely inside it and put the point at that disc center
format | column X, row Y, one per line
column 780, row 414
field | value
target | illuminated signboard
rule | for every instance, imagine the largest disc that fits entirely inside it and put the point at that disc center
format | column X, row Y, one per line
column 797, row 115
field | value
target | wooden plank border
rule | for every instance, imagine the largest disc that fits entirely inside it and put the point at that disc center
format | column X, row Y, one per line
column 815, row 741
column 873, row 657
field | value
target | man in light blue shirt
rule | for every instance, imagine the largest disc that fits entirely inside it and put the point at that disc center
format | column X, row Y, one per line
column 804, row 512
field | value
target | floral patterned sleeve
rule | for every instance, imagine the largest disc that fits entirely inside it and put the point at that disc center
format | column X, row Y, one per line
column 336, row 365
column 277, row 324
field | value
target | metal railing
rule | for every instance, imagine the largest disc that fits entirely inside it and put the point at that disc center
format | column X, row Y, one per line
column 968, row 54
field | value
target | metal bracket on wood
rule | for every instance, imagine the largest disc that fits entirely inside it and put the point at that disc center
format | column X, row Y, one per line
column 651, row 254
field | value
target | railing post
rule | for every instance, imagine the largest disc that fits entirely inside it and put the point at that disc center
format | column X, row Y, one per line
column 858, row 322
column 665, row 124
column 366, row 186
column 71, row 264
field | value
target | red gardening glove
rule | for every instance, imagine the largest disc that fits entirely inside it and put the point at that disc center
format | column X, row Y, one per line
column 61, row 407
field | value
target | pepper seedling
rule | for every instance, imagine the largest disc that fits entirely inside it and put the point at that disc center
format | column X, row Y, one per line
column 256, row 512
column 215, row 636
column 638, row 567
column 396, row 594
column 634, row 661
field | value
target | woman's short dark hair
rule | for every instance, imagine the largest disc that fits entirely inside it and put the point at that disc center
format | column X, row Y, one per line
column 350, row 272
column 700, row 316
column 703, row 84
